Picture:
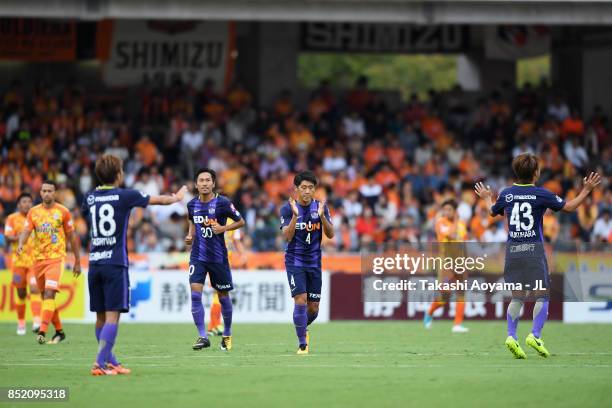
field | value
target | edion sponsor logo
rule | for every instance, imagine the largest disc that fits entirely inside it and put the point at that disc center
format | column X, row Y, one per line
column 199, row 219
column 308, row 226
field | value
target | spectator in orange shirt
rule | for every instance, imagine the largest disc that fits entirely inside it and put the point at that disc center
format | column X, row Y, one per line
column 238, row 97
column 147, row 150
column 587, row 214
column 395, row 154
column 386, row 177
column 274, row 187
column 469, row 167
column 480, row 222
column 550, row 225
column 554, row 185
column 373, row 154
column 573, row 125
column 214, row 110
column 317, row 107
column 284, row 105
column 432, row 126
column 499, row 107
column 301, row 139
column 366, row 225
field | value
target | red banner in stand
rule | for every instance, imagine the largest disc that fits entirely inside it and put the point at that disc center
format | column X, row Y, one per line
column 31, row 39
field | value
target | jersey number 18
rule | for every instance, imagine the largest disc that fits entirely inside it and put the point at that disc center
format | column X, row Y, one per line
column 106, row 223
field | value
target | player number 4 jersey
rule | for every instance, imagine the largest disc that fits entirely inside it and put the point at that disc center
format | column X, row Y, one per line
column 107, row 211
column 524, row 207
column 305, row 247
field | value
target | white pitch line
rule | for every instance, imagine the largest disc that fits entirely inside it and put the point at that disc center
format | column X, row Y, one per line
column 358, row 366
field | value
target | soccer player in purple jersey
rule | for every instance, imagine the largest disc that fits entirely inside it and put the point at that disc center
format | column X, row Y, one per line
column 107, row 210
column 524, row 205
column 303, row 223
column 208, row 214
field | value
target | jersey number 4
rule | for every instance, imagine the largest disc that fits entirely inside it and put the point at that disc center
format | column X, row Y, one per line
column 521, row 212
column 103, row 221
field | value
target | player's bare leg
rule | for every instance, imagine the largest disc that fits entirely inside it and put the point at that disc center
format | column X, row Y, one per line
column 197, row 312
column 226, row 312
column 21, row 307
column 35, row 305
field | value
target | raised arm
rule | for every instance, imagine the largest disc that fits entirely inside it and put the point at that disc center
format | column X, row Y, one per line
column 590, row 182
column 168, row 199
column 486, row 194
column 289, row 230
column 328, row 228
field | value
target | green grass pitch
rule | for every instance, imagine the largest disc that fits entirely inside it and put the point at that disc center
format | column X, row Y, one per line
column 352, row 364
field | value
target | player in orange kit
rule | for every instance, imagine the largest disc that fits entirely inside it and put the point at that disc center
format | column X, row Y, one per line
column 22, row 265
column 53, row 227
column 449, row 229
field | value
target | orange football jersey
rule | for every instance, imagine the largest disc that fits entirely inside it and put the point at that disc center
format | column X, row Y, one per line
column 50, row 227
column 447, row 232
column 13, row 227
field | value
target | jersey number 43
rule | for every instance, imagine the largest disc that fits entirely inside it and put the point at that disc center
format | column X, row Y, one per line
column 521, row 217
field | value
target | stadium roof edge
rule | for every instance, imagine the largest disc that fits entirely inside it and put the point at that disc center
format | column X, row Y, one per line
column 591, row 12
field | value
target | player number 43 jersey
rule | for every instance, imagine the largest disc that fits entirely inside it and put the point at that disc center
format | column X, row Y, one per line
column 524, row 207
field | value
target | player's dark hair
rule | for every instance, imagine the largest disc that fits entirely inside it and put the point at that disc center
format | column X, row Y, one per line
column 451, row 201
column 305, row 175
column 50, row 182
column 213, row 174
column 24, row 195
column 108, row 168
column 525, row 167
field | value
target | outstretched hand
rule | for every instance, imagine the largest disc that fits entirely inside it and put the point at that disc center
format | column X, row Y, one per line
column 483, row 191
column 592, row 181
column 179, row 195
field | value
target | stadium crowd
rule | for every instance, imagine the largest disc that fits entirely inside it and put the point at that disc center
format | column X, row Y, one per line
column 383, row 171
